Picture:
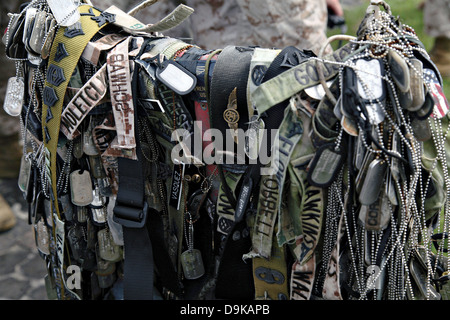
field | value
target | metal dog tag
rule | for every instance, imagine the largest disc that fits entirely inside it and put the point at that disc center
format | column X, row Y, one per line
column 254, row 136
column 24, row 173
column 67, row 207
column 371, row 88
column 325, row 165
column 105, row 273
column 98, row 208
column 81, row 188
column 421, row 129
column 81, row 214
column 391, row 191
column 107, row 248
column 373, row 182
column 399, row 71
column 417, row 86
column 49, row 35
column 77, row 147
column 42, row 237
column 27, row 29
column 360, row 152
column 89, row 147
column 38, row 33
column 65, row 11
column 15, row 91
column 176, row 77
column 96, row 167
column 395, row 165
column 192, row 263
column 376, row 217
column 349, row 126
column 76, row 243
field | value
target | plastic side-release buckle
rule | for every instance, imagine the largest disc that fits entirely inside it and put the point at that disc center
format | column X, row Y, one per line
column 130, row 217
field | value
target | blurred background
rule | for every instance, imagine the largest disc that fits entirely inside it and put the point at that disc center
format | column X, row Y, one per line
column 21, row 268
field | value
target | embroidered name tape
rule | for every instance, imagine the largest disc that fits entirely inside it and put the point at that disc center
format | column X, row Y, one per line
column 82, row 103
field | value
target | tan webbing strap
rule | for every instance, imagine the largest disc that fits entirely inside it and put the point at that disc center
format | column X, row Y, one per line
column 67, row 48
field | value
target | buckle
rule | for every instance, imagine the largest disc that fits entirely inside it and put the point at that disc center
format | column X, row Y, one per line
column 130, row 217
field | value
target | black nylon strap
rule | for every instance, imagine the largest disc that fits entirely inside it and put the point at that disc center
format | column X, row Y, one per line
column 230, row 71
column 131, row 212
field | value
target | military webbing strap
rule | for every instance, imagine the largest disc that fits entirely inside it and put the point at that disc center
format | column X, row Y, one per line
column 261, row 60
column 133, row 25
column 271, row 187
column 294, row 80
column 67, row 48
column 270, row 276
column 300, row 223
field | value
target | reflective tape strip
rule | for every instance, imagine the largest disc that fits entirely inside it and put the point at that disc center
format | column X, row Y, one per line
column 294, row 80
column 74, row 39
column 120, row 91
column 82, row 103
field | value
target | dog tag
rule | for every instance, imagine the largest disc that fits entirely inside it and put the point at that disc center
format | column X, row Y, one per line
column 176, row 77
column 254, row 136
column 77, row 148
column 105, row 273
column 373, row 182
column 317, row 92
column 374, row 279
column 49, row 35
column 15, row 47
column 399, row 71
column 81, row 188
column 418, row 270
column 38, row 33
column 360, row 152
column 89, row 147
column 395, row 165
column 15, row 90
column 391, row 192
column 24, row 174
column 67, row 207
column 76, row 242
column 349, row 126
column 65, row 11
column 81, row 214
column 325, row 165
column 98, row 208
column 376, row 217
column 192, row 263
column 371, row 88
column 42, row 237
column 107, row 248
column 368, row 158
column 96, row 167
column 27, row 29
column 417, row 86
column 421, row 129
